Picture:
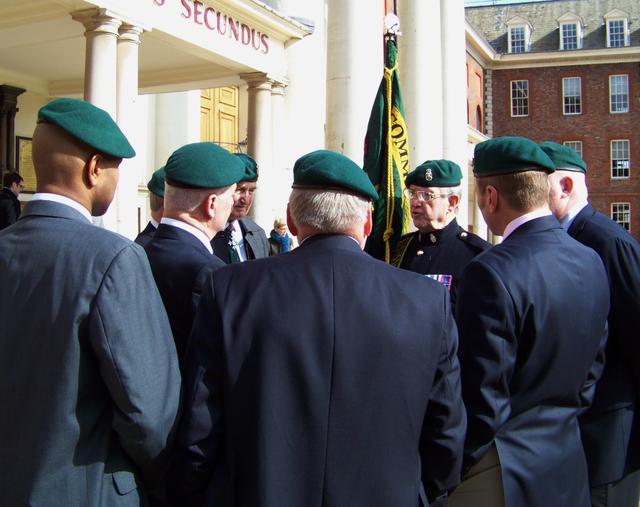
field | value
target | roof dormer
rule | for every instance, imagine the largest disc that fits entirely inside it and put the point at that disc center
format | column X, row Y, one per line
column 519, row 35
column 617, row 24
column 570, row 29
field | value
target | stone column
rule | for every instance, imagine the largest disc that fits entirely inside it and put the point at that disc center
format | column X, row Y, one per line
column 101, row 56
column 454, row 79
column 420, row 64
column 127, row 93
column 259, row 138
column 278, row 185
column 355, row 42
column 307, row 82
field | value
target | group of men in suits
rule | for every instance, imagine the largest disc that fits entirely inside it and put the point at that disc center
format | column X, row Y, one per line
column 367, row 392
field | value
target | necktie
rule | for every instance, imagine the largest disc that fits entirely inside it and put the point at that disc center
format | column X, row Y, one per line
column 231, row 245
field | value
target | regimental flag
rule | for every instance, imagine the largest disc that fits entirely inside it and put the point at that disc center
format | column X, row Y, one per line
column 386, row 161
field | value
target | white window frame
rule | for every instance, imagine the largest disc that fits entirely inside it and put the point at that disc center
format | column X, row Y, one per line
column 621, row 111
column 513, row 98
column 628, row 159
column 564, row 96
column 613, row 16
column 524, row 38
column 575, row 146
column 578, row 29
column 625, row 221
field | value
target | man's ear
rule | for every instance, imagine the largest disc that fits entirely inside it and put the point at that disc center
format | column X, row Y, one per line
column 493, row 198
column 92, row 170
column 566, row 184
column 290, row 224
column 368, row 225
column 209, row 206
column 454, row 200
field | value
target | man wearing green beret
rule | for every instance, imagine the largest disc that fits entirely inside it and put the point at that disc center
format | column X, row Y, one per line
column 242, row 239
column 199, row 193
column 156, row 203
column 531, row 343
column 89, row 377
column 611, row 428
column 339, row 397
column 440, row 248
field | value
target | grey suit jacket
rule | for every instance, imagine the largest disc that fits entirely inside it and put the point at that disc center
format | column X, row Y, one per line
column 254, row 236
column 89, row 377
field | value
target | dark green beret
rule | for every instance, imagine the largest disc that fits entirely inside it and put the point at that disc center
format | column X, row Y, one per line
column 509, row 155
column 330, row 170
column 250, row 167
column 156, row 183
column 89, row 124
column 435, row 173
column 203, row 165
column 563, row 157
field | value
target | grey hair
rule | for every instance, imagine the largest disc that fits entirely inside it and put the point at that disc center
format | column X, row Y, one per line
column 186, row 199
column 327, row 211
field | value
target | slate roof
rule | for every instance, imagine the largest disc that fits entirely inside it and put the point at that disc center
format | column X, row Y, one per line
column 490, row 21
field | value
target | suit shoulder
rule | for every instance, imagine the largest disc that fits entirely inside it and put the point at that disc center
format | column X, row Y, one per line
column 250, row 225
column 473, row 241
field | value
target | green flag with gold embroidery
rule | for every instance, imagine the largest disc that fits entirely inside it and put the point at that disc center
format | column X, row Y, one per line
column 386, row 161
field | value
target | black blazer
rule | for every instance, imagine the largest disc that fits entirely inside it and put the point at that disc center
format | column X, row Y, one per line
column 611, row 428
column 179, row 263
column 532, row 319
column 9, row 208
column 318, row 395
column 145, row 235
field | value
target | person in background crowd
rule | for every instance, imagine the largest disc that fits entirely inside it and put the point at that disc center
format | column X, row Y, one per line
column 279, row 240
column 440, row 248
column 351, row 400
column 12, row 184
column 89, row 377
column 156, row 203
column 611, row 428
column 199, row 193
column 532, row 315
column 242, row 239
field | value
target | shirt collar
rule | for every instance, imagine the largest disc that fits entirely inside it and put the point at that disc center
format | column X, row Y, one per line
column 61, row 199
column 568, row 219
column 202, row 237
column 523, row 219
column 153, row 222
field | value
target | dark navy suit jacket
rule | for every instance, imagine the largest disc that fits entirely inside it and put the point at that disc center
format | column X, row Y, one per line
column 145, row 235
column 341, row 391
column 180, row 264
column 532, row 319
column 611, row 428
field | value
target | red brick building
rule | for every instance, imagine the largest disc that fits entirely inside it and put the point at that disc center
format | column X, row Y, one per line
column 569, row 71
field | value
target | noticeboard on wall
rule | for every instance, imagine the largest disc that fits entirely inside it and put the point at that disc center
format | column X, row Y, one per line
column 24, row 163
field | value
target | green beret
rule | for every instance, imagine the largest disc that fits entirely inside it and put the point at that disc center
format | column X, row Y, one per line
column 156, row 183
column 250, row 167
column 509, row 155
column 89, row 124
column 435, row 173
column 330, row 170
column 203, row 165
column 563, row 157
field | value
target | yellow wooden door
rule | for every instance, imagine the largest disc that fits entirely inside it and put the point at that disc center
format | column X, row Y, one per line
column 219, row 116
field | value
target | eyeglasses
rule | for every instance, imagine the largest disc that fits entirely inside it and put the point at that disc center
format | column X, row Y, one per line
column 422, row 195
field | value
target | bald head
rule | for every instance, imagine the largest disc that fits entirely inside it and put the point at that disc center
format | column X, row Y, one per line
column 66, row 166
column 566, row 190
